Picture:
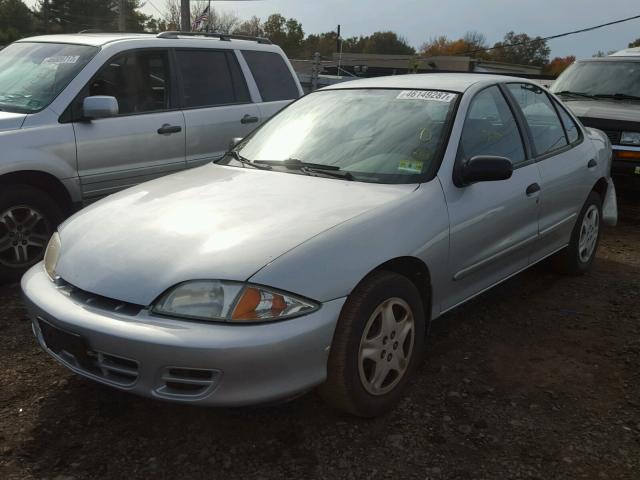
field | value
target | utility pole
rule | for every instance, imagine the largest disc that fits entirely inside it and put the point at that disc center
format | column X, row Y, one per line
column 45, row 12
column 122, row 20
column 185, row 16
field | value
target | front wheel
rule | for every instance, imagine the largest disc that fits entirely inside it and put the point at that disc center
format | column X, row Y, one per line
column 378, row 342
column 577, row 258
column 28, row 218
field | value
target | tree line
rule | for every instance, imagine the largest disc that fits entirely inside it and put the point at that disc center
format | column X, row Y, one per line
column 70, row 16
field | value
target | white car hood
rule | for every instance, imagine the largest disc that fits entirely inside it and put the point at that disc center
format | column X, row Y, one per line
column 11, row 121
column 212, row 222
column 605, row 109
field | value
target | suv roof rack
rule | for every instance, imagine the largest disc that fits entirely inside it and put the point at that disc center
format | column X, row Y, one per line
column 225, row 37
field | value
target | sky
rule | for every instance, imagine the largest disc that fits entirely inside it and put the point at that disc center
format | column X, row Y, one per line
column 420, row 20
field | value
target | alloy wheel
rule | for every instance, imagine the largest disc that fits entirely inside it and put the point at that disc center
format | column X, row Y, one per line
column 24, row 233
column 386, row 346
column 589, row 231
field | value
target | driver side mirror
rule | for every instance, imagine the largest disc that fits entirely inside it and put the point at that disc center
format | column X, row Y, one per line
column 99, row 106
column 484, row 168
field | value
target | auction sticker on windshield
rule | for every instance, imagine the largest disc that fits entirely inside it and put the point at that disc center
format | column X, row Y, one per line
column 62, row 59
column 426, row 95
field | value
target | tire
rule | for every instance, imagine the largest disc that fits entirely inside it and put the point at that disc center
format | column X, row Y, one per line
column 577, row 258
column 352, row 385
column 28, row 218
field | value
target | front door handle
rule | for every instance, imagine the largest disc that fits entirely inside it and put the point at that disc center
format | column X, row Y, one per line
column 533, row 188
column 249, row 119
column 166, row 128
column 592, row 163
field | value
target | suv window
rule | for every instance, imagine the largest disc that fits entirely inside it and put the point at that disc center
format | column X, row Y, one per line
column 573, row 132
column 210, row 78
column 491, row 129
column 139, row 80
column 546, row 129
column 272, row 75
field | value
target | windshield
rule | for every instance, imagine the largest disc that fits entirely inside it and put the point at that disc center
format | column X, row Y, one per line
column 601, row 78
column 33, row 74
column 382, row 136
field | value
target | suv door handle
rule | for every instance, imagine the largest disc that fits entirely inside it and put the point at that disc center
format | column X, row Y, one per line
column 166, row 128
column 533, row 188
column 592, row 163
column 249, row 119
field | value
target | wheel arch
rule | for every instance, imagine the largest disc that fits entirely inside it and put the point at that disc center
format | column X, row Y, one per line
column 600, row 188
column 44, row 181
column 417, row 272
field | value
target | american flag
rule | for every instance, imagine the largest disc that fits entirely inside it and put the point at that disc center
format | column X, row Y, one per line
column 201, row 20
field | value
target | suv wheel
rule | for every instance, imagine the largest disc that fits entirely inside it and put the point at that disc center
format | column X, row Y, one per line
column 28, row 218
column 378, row 342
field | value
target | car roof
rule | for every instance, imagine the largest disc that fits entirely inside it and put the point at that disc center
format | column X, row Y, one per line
column 627, row 52
column 102, row 39
column 453, row 82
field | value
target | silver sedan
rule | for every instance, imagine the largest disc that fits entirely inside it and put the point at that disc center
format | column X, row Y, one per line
column 318, row 250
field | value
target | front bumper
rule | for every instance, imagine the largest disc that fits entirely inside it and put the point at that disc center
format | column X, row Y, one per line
column 186, row 361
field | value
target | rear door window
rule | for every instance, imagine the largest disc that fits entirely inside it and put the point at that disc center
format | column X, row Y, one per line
column 546, row 129
column 570, row 126
column 210, row 78
column 272, row 76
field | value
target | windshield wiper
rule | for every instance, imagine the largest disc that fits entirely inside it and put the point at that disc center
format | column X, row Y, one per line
column 574, row 94
column 244, row 161
column 618, row 96
column 309, row 168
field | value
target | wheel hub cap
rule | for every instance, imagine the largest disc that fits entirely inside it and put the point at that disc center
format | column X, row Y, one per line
column 386, row 346
column 24, row 233
column 589, row 231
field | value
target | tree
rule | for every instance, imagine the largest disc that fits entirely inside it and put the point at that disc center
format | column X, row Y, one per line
column 521, row 49
column 288, row 34
column 556, row 66
column 324, row 43
column 383, row 43
column 252, row 27
column 16, row 21
column 635, row 43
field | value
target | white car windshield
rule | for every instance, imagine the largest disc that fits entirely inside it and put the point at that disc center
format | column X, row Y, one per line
column 371, row 135
column 33, row 74
column 619, row 79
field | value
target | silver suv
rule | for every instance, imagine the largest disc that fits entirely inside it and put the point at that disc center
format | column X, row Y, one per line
column 83, row 116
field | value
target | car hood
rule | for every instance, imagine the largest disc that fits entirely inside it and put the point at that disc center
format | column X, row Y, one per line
column 11, row 121
column 605, row 109
column 211, row 222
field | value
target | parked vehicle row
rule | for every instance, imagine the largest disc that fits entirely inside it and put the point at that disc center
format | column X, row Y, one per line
column 83, row 116
column 318, row 250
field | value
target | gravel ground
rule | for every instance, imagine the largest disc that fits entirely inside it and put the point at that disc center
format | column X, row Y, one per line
column 538, row 378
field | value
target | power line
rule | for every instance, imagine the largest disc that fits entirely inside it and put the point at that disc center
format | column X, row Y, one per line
column 552, row 37
column 156, row 8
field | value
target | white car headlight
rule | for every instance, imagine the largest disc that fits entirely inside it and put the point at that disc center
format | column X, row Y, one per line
column 51, row 255
column 630, row 138
column 230, row 302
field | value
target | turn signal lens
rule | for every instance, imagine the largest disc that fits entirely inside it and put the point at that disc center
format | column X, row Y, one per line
column 627, row 155
column 51, row 256
column 260, row 304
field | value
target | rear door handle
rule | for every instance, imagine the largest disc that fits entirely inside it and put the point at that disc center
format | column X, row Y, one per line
column 166, row 128
column 592, row 163
column 249, row 119
column 533, row 188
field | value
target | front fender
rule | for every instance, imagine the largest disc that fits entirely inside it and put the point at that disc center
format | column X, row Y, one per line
column 331, row 264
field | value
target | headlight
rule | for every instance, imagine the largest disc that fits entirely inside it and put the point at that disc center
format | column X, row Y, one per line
column 51, row 255
column 230, row 302
column 630, row 138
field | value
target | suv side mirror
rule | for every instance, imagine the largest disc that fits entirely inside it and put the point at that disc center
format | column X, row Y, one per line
column 485, row 169
column 99, row 106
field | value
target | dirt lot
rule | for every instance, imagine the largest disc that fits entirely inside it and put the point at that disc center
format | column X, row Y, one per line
column 538, row 378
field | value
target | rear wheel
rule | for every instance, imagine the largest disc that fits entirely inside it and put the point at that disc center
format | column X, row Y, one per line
column 378, row 342
column 577, row 258
column 28, row 218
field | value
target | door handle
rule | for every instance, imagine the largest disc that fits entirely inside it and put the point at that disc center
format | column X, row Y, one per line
column 533, row 188
column 166, row 128
column 249, row 119
column 592, row 163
